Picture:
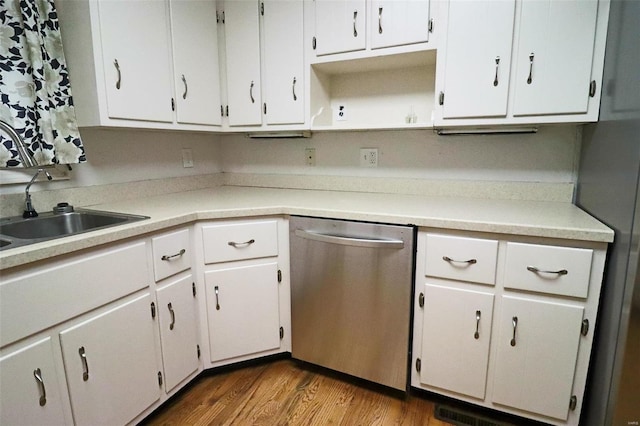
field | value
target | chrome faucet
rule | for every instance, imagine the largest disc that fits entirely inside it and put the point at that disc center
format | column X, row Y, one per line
column 29, row 211
column 26, row 158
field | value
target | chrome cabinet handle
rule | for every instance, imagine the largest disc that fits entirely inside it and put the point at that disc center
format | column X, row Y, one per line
column 43, row 392
column 217, row 300
column 379, row 20
column 355, row 31
column 514, row 323
column 186, row 88
column 251, row 93
column 169, row 257
column 495, row 80
column 85, row 365
column 173, row 316
column 295, row 97
column 238, row 245
column 530, row 78
column 476, row 335
column 450, row 260
column 540, row 271
column 117, row 65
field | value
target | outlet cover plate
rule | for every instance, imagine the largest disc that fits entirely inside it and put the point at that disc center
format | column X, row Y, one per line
column 368, row 157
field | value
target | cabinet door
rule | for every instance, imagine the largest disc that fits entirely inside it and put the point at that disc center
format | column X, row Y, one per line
column 110, row 362
column 178, row 334
column 29, row 387
column 455, row 339
column 242, row 310
column 135, row 54
column 554, row 56
column 398, row 22
column 340, row 26
column 242, row 35
column 195, row 59
column 536, row 354
column 284, row 61
column 478, row 57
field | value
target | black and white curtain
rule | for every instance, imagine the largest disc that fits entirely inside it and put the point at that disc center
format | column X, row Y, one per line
column 34, row 86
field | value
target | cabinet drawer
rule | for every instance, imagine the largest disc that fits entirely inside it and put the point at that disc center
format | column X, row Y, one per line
column 238, row 241
column 548, row 269
column 459, row 258
column 171, row 253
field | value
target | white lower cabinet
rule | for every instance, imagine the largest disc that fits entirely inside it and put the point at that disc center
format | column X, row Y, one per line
column 110, row 361
column 243, row 311
column 520, row 344
column 30, row 386
column 177, row 308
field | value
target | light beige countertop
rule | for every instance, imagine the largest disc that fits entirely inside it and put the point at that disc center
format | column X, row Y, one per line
column 560, row 220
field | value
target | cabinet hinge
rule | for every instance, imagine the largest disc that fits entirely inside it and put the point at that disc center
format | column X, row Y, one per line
column 430, row 25
column 173, row 104
column 441, row 98
column 153, row 310
column 217, row 17
column 418, row 365
column 584, row 329
column 421, row 300
column 573, row 402
column 227, row 111
column 281, row 332
column 279, row 276
column 198, row 350
column 223, row 16
column 592, row 88
column 221, row 111
column 193, row 289
column 262, row 8
column 313, row 43
column 264, row 106
column 159, row 378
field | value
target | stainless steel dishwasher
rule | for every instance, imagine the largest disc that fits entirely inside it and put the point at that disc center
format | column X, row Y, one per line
column 351, row 286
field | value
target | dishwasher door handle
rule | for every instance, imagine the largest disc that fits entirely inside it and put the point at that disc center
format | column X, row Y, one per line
column 350, row 241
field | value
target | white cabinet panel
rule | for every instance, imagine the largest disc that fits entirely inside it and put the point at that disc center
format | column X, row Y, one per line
column 242, row 310
column 554, row 56
column 195, row 58
column 178, row 331
column 242, row 35
column 340, row 26
column 455, row 339
column 226, row 242
column 29, row 387
column 461, row 258
column 478, row 60
column 171, row 253
column 110, row 362
column 537, row 348
column 284, row 61
column 135, row 53
column 398, row 22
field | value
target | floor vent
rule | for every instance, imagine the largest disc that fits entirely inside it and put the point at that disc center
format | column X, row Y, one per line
column 463, row 418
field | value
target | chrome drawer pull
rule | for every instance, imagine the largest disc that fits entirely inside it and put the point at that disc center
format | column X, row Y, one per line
column 169, row 257
column 253, row 101
column 495, row 80
column 173, row 316
column 530, row 78
column 237, row 245
column 539, row 271
column 355, row 31
column 43, row 393
column 85, row 365
column 476, row 335
column 186, row 88
column 217, row 301
column 514, row 323
column 448, row 259
column 117, row 65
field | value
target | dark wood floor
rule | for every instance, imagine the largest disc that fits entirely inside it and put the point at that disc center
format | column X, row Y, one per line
column 285, row 392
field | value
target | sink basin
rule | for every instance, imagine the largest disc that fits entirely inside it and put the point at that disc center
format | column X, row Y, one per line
column 17, row 231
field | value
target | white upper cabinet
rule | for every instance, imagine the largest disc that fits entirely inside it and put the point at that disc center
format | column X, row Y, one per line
column 398, row 22
column 195, row 60
column 340, row 26
column 135, row 54
column 283, row 61
column 476, row 75
column 554, row 56
column 242, row 38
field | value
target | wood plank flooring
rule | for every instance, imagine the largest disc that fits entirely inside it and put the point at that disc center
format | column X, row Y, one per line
column 285, row 392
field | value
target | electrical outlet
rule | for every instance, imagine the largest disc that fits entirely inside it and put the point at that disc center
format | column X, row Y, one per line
column 310, row 156
column 341, row 113
column 187, row 158
column 368, row 157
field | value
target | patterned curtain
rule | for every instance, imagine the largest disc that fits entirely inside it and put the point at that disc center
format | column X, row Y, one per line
column 34, row 85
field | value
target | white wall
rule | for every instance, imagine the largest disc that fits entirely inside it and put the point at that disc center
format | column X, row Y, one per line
column 548, row 156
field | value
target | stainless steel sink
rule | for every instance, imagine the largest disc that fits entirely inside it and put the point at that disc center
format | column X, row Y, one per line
column 16, row 231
